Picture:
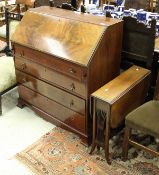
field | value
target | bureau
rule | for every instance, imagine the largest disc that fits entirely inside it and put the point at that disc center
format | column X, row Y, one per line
column 61, row 57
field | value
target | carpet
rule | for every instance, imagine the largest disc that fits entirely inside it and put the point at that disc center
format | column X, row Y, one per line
column 2, row 45
column 60, row 152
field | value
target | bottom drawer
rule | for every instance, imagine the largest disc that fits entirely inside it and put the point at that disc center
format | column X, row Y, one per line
column 69, row 117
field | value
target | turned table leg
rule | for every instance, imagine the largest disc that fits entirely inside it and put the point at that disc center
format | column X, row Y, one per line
column 126, row 143
column 94, row 127
column 107, row 135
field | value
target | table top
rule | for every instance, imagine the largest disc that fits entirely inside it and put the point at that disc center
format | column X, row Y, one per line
column 112, row 91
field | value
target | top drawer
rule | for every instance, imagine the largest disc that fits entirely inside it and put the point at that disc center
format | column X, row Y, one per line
column 53, row 77
column 50, row 61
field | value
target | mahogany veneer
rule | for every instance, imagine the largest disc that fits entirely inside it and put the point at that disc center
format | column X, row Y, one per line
column 61, row 57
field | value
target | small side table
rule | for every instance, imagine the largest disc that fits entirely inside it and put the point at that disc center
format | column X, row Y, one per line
column 115, row 100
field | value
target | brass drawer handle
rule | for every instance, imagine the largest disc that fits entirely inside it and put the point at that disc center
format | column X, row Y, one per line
column 72, row 87
column 72, row 118
column 22, row 53
column 23, row 66
column 71, row 71
column 71, row 103
column 24, row 80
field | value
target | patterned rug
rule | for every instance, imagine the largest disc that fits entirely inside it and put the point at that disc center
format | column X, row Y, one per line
column 2, row 45
column 60, row 152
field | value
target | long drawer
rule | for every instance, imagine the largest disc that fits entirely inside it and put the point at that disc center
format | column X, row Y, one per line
column 73, row 119
column 60, row 96
column 51, row 61
column 51, row 76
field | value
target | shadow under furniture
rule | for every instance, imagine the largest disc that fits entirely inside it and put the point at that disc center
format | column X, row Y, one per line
column 145, row 119
column 112, row 102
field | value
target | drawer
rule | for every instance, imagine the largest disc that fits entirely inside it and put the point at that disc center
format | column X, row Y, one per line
column 58, row 64
column 51, row 76
column 60, row 96
column 69, row 117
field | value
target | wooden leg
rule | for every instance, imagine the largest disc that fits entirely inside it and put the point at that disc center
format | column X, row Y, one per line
column 107, row 135
column 93, row 148
column 152, row 139
column 126, row 143
column 98, row 148
column 21, row 103
column 0, row 105
column 94, row 127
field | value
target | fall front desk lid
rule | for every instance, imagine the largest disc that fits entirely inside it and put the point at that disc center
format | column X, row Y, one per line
column 69, row 35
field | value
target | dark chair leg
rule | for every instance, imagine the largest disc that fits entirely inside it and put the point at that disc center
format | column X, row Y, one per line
column 98, row 148
column 93, row 148
column 0, row 105
column 126, row 143
column 157, row 147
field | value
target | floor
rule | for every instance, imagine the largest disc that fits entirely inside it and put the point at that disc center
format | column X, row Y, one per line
column 19, row 128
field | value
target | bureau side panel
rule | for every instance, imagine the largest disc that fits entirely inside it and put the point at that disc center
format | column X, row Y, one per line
column 105, row 64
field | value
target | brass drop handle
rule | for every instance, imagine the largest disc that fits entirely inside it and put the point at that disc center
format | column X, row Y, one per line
column 23, row 66
column 24, row 80
column 22, row 53
column 71, row 103
column 71, row 71
column 72, row 118
column 72, row 87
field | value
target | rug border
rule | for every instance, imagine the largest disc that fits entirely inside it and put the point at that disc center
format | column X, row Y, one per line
column 26, row 164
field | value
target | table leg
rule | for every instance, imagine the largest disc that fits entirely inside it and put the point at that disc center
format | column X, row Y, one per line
column 107, row 135
column 126, row 143
column 94, row 127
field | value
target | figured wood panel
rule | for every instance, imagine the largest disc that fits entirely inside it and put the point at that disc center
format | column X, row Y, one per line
column 56, row 94
column 69, row 39
column 51, row 76
column 56, row 110
column 121, row 84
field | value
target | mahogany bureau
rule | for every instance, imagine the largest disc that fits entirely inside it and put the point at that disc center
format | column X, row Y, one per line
column 61, row 57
